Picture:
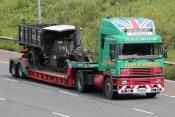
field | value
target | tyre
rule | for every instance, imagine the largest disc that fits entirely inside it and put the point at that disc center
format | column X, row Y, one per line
column 33, row 58
column 20, row 72
column 41, row 58
column 151, row 95
column 80, row 85
column 13, row 69
column 108, row 89
column 65, row 65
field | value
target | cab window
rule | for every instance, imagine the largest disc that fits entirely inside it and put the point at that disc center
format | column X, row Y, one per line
column 112, row 51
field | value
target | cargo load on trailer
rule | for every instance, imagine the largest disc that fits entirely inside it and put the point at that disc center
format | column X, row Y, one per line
column 51, row 44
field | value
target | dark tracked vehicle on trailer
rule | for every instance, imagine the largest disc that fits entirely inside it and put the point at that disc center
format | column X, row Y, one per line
column 51, row 44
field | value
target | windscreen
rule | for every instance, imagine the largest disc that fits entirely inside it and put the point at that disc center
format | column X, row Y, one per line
column 146, row 50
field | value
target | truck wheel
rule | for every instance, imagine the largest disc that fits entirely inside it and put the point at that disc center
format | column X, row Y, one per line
column 41, row 58
column 80, row 81
column 13, row 69
column 151, row 95
column 65, row 65
column 108, row 89
column 20, row 72
column 33, row 58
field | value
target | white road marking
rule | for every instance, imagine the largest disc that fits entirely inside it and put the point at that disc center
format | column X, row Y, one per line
column 4, row 62
column 2, row 99
column 172, row 96
column 164, row 95
column 63, row 115
column 8, row 51
column 167, row 95
column 10, row 80
column 69, row 93
column 151, row 113
column 170, row 81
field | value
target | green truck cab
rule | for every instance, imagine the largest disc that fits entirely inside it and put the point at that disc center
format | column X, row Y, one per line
column 126, row 43
column 130, row 50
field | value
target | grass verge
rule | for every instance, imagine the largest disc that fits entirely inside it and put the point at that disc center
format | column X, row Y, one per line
column 11, row 46
column 170, row 72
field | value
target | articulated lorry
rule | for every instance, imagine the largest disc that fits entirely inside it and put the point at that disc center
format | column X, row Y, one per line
column 130, row 57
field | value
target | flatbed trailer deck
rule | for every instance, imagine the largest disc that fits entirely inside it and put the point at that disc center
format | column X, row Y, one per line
column 43, row 73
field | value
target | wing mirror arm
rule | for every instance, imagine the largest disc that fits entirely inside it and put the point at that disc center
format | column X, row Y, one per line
column 164, row 52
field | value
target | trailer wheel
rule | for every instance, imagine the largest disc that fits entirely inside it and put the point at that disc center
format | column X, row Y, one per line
column 20, row 72
column 80, row 81
column 33, row 58
column 108, row 89
column 13, row 69
column 41, row 58
column 151, row 95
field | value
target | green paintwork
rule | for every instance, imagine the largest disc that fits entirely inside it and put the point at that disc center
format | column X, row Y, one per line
column 110, row 34
column 137, row 64
column 17, row 62
column 134, row 39
column 75, row 64
column 24, row 70
column 118, row 64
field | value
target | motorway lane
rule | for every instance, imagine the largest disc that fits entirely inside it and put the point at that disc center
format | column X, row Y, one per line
column 25, row 96
column 19, row 98
column 12, row 109
column 6, row 55
column 169, row 88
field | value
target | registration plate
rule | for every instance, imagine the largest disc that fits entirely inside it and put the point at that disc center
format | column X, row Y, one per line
column 141, row 90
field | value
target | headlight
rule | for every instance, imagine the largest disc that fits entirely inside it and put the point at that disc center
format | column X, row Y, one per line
column 157, row 71
column 124, row 82
column 158, row 81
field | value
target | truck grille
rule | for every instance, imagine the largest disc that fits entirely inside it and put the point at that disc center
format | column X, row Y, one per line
column 142, row 81
column 143, row 72
column 140, row 71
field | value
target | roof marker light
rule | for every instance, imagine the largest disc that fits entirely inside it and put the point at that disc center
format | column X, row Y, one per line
column 125, row 29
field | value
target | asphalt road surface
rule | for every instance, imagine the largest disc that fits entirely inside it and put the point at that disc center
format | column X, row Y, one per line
column 31, row 98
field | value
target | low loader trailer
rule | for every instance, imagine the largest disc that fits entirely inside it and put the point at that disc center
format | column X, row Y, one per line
column 130, row 60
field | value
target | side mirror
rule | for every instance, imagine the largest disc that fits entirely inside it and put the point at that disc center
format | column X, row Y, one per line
column 112, row 55
column 164, row 53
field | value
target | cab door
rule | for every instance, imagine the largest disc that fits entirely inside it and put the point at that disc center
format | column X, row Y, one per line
column 110, row 55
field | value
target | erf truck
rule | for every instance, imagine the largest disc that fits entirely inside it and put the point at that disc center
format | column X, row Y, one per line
column 130, row 57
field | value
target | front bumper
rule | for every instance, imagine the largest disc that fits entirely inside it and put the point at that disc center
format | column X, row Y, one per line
column 140, row 85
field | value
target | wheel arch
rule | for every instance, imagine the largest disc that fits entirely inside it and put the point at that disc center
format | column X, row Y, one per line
column 107, row 75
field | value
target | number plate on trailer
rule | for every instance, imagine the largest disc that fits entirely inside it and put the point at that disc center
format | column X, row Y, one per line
column 141, row 90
